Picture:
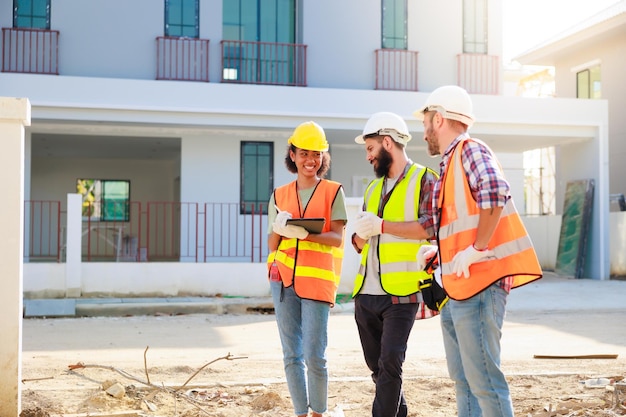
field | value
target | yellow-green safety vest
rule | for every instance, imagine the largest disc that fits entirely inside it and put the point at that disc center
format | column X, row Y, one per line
column 397, row 256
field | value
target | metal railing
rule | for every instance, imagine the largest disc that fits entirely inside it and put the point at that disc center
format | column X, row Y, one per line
column 396, row 69
column 34, row 51
column 263, row 63
column 42, row 230
column 182, row 59
column 154, row 231
column 479, row 73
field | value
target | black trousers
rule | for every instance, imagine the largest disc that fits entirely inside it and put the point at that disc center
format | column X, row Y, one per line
column 384, row 330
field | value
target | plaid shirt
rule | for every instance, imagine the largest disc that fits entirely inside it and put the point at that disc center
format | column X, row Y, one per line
column 486, row 181
column 426, row 210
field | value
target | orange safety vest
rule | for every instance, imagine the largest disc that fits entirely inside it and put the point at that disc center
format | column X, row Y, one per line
column 514, row 254
column 314, row 269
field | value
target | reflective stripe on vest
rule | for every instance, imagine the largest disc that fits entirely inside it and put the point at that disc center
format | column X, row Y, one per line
column 397, row 256
column 314, row 269
column 514, row 254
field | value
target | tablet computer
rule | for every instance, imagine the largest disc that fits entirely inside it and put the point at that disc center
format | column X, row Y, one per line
column 312, row 225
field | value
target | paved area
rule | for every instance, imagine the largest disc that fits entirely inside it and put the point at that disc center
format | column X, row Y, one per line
column 551, row 293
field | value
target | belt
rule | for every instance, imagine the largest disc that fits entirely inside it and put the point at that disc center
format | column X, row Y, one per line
column 407, row 299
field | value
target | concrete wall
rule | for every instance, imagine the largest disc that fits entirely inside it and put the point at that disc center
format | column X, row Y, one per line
column 150, row 180
column 609, row 55
column 15, row 115
column 617, row 223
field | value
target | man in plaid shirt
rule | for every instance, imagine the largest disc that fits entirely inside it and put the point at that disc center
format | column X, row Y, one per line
column 472, row 320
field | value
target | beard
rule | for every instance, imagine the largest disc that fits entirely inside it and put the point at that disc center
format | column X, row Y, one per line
column 384, row 161
column 433, row 143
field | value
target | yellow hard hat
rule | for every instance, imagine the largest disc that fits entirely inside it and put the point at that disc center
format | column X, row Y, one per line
column 309, row 136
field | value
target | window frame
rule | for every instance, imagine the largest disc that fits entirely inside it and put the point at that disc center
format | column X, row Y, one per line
column 246, row 205
column 99, row 199
column 471, row 23
column 590, row 82
column 17, row 16
column 398, row 42
column 268, row 25
column 167, row 30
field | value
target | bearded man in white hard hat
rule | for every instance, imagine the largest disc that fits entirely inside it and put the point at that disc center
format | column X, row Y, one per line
column 396, row 220
column 483, row 252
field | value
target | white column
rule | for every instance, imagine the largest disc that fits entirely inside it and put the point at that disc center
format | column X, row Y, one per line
column 73, row 286
column 14, row 116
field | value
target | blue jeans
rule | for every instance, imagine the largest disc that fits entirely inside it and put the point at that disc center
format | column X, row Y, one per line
column 471, row 336
column 384, row 330
column 303, row 329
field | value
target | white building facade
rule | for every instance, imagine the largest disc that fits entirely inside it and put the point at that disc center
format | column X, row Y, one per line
column 170, row 119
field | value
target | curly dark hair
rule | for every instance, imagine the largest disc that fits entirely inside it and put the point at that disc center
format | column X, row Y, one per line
column 291, row 166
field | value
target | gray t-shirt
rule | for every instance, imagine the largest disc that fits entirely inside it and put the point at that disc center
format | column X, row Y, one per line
column 371, row 285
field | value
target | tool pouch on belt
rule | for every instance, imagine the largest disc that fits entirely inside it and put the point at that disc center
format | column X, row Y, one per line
column 433, row 294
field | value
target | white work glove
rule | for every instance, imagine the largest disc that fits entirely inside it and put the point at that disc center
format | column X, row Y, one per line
column 281, row 218
column 367, row 225
column 424, row 254
column 280, row 222
column 462, row 260
column 294, row 232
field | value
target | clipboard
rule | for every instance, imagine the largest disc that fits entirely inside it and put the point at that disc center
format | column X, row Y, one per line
column 312, row 225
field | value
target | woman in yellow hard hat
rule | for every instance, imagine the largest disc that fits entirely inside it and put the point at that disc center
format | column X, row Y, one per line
column 304, row 264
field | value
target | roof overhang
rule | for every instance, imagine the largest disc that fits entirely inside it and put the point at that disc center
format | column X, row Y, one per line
column 608, row 24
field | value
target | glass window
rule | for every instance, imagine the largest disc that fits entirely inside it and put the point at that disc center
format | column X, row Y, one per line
column 272, row 23
column 181, row 18
column 475, row 26
column 31, row 14
column 105, row 200
column 588, row 83
column 257, row 176
column 252, row 20
column 394, row 26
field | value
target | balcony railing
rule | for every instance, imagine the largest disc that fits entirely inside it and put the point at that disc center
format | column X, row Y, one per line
column 396, row 69
column 182, row 59
column 263, row 63
column 479, row 73
column 155, row 231
column 34, row 51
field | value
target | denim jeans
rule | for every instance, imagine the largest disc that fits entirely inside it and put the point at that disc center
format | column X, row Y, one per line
column 384, row 330
column 303, row 329
column 472, row 330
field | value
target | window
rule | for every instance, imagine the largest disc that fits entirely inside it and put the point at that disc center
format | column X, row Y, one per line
column 475, row 26
column 181, row 18
column 105, row 200
column 257, row 176
column 272, row 22
column 33, row 14
column 259, row 21
column 394, row 26
column 588, row 83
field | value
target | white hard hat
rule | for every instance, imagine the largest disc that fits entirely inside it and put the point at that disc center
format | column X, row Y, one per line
column 452, row 102
column 385, row 124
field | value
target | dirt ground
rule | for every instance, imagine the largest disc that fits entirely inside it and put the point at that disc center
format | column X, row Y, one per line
column 164, row 366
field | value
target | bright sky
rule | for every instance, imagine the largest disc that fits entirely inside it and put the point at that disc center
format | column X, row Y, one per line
column 527, row 23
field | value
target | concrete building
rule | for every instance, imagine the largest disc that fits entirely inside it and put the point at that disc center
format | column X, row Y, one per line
column 588, row 64
column 170, row 120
